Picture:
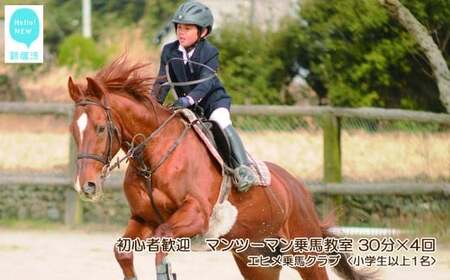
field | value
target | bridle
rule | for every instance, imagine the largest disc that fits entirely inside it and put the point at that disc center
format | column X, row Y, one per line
column 112, row 131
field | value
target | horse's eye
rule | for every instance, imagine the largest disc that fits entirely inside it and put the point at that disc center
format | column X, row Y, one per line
column 100, row 129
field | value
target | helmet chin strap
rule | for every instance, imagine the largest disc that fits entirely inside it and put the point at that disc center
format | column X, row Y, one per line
column 199, row 37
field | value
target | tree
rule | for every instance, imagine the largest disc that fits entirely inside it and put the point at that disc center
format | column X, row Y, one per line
column 250, row 68
column 159, row 12
column 355, row 54
column 63, row 17
column 426, row 43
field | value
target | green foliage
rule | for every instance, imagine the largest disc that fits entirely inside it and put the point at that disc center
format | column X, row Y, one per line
column 435, row 15
column 125, row 11
column 352, row 52
column 357, row 55
column 63, row 17
column 18, row 2
column 9, row 89
column 109, row 16
column 159, row 12
column 157, row 18
column 249, row 68
column 81, row 53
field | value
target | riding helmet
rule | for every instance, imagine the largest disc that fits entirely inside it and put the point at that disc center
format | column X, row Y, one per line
column 193, row 12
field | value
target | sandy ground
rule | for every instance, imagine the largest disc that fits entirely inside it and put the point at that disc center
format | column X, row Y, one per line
column 69, row 255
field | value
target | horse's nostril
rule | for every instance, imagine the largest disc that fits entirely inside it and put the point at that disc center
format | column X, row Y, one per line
column 89, row 189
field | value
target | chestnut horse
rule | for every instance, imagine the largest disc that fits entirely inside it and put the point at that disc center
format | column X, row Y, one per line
column 113, row 108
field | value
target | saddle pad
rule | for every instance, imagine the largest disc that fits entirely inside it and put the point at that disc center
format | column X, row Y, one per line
column 260, row 168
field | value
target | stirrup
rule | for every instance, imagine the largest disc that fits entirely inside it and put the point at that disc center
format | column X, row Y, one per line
column 244, row 178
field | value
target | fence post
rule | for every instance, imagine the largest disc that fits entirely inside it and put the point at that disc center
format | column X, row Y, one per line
column 331, row 126
column 331, row 148
column 73, row 211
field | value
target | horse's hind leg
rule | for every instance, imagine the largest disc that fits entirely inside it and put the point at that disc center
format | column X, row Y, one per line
column 135, row 229
column 256, row 273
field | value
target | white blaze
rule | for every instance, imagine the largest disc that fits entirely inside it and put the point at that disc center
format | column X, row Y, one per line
column 82, row 124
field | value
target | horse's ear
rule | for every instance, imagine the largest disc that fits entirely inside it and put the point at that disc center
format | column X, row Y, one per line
column 94, row 88
column 74, row 90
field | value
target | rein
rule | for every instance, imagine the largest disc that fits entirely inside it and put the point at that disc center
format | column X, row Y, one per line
column 189, row 83
column 137, row 152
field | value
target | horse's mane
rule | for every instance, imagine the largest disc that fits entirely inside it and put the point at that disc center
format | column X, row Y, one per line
column 128, row 79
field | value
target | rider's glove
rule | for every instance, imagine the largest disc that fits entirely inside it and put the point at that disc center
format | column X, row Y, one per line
column 183, row 102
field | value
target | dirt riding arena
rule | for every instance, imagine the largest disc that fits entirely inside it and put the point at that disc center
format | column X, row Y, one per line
column 70, row 255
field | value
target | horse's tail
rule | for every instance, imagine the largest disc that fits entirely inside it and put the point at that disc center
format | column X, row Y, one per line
column 343, row 268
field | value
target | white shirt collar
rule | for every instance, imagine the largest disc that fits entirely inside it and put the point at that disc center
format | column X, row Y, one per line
column 186, row 55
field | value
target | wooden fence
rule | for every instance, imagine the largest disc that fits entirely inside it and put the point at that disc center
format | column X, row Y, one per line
column 331, row 125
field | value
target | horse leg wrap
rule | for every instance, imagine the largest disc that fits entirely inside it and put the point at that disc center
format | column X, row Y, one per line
column 164, row 272
column 132, row 278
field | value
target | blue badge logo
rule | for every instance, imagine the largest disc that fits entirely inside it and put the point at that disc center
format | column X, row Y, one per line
column 24, row 26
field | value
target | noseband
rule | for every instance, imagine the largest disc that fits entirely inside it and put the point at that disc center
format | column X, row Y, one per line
column 111, row 130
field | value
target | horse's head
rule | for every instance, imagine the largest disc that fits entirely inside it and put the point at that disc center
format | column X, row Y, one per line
column 96, row 136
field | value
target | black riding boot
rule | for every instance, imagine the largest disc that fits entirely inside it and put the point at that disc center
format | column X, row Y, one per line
column 243, row 174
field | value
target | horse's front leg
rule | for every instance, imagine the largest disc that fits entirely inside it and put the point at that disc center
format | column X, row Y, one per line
column 134, row 229
column 189, row 220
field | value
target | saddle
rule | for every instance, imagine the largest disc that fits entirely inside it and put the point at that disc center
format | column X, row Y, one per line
column 216, row 142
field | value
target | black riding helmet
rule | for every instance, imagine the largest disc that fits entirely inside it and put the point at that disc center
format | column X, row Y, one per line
column 196, row 13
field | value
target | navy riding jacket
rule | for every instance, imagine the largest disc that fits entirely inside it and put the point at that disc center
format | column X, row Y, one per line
column 209, row 94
